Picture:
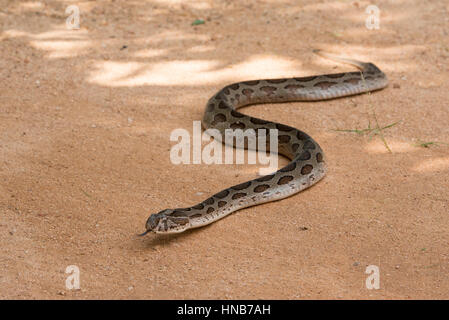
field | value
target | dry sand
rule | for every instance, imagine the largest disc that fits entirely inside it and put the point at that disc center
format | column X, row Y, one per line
column 85, row 122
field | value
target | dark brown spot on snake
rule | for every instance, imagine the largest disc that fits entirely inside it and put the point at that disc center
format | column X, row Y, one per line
column 252, row 82
column 308, row 145
column 324, row 84
column 222, row 105
column 181, row 221
column 261, row 188
column 222, row 194
column 178, row 213
column 242, row 186
column 284, row 139
column 258, row 121
column 265, row 178
column 199, row 206
column 301, row 135
column 290, row 167
column 237, row 114
column 220, row 117
column 306, row 169
column 276, row 80
column 238, row 125
column 268, row 90
column 304, row 79
column 305, row 155
column 238, row 195
column 335, row 75
column 285, row 180
column 209, row 201
column 283, row 127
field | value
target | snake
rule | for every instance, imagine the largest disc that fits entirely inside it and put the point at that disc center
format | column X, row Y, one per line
column 307, row 163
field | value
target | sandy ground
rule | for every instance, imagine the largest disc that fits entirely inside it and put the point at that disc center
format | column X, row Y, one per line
column 85, row 122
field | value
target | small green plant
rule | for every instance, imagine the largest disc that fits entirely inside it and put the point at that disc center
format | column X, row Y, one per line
column 197, row 22
column 368, row 130
column 85, row 193
column 427, row 144
column 376, row 130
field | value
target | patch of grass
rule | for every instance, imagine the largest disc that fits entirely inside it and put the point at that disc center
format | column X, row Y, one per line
column 369, row 130
column 85, row 193
column 380, row 130
column 427, row 144
column 377, row 129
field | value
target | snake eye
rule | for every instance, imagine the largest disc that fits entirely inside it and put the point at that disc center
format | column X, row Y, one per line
column 153, row 222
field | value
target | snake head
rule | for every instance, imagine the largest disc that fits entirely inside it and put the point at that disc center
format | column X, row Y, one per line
column 165, row 222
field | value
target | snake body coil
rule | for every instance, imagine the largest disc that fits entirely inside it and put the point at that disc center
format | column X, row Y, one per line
column 307, row 164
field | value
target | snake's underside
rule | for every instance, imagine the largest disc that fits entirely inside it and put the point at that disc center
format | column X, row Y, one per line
column 307, row 164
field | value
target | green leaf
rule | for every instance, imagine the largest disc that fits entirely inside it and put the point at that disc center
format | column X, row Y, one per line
column 197, row 22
